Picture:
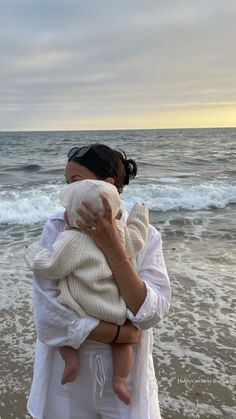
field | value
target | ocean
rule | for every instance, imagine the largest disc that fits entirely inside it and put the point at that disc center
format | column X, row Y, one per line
column 187, row 178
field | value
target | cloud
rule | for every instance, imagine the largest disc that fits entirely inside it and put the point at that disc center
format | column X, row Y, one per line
column 94, row 58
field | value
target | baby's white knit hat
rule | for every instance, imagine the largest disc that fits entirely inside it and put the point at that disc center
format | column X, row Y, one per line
column 72, row 195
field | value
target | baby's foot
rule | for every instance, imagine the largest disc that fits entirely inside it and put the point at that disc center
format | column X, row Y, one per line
column 121, row 389
column 70, row 370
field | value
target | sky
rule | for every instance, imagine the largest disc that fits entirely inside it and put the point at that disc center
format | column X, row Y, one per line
column 109, row 64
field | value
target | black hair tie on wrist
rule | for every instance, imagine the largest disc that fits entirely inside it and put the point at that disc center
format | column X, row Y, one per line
column 117, row 335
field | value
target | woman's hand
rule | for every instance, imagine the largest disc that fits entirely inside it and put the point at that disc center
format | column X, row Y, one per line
column 128, row 334
column 102, row 228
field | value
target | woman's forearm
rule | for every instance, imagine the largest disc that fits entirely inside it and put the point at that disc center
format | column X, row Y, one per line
column 104, row 332
column 132, row 288
column 107, row 332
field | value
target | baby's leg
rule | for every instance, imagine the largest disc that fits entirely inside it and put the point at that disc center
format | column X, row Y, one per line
column 71, row 358
column 122, row 361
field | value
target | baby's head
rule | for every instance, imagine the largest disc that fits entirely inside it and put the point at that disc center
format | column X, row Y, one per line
column 90, row 190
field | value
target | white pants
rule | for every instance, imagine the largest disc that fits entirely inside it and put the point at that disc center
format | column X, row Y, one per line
column 91, row 395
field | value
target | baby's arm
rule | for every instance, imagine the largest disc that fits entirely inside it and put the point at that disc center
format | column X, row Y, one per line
column 57, row 325
column 53, row 264
column 135, row 232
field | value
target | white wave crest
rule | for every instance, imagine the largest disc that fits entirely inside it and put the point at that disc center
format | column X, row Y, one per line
column 29, row 206
column 188, row 197
column 38, row 203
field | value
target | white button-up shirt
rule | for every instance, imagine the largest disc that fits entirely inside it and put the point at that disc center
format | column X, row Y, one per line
column 56, row 325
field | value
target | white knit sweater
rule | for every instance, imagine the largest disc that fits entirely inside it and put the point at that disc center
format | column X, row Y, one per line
column 86, row 284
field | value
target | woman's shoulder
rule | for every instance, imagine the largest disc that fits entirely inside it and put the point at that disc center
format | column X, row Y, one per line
column 150, row 251
column 153, row 233
column 52, row 227
column 58, row 216
column 55, row 221
column 154, row 241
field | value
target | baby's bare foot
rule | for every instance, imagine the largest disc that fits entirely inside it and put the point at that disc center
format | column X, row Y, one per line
column 121, row 389
column 71, row 370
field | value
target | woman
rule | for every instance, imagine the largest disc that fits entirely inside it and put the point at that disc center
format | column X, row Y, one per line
column 145, row 288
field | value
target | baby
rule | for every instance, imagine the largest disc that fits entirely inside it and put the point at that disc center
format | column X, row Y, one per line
column 85, row 281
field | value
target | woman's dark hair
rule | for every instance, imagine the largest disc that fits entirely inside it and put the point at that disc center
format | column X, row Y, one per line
column 105, row 162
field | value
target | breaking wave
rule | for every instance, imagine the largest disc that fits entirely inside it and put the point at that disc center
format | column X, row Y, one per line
column 21, row 206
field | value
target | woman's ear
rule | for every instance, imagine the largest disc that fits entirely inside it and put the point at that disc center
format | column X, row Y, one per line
column 109, row 180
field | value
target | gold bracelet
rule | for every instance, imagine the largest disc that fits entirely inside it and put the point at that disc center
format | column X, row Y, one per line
column 120, row 263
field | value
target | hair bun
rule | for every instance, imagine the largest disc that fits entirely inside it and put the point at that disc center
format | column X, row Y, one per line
column 130, row 167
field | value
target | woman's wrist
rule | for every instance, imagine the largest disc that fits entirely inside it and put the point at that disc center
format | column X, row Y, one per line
column 128, row 334
column 116, row 254
column 116, row 335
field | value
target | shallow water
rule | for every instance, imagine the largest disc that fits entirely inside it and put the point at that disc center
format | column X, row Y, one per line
column 190, row 190
column 194, row 348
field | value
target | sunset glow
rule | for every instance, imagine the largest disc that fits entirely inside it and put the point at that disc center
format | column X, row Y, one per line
column 110, row 65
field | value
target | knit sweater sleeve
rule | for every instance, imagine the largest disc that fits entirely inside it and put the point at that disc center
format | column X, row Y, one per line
column 135, row 232
column 56, row 263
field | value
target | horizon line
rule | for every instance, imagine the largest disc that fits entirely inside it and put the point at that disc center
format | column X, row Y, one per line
column 120, row 129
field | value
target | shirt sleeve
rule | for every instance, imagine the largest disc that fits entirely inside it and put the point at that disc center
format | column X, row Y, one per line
column 56, row 325
column 151, row 267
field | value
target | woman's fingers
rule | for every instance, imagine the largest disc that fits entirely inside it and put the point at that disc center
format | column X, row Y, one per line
column 86, row 229
column 87, row 219
column 107, row 208
column 99, row 226
column 86, row 222
column 94, row 213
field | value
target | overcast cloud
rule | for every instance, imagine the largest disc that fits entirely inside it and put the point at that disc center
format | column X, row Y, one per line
column 69, row 64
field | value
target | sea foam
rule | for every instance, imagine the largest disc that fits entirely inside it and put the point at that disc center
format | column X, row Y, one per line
column 28, row 206
column 188, row 197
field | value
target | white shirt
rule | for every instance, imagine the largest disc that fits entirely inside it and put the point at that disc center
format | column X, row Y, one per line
column 57, row 326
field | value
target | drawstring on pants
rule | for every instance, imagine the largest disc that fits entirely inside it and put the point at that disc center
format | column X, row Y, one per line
column 100, row 376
